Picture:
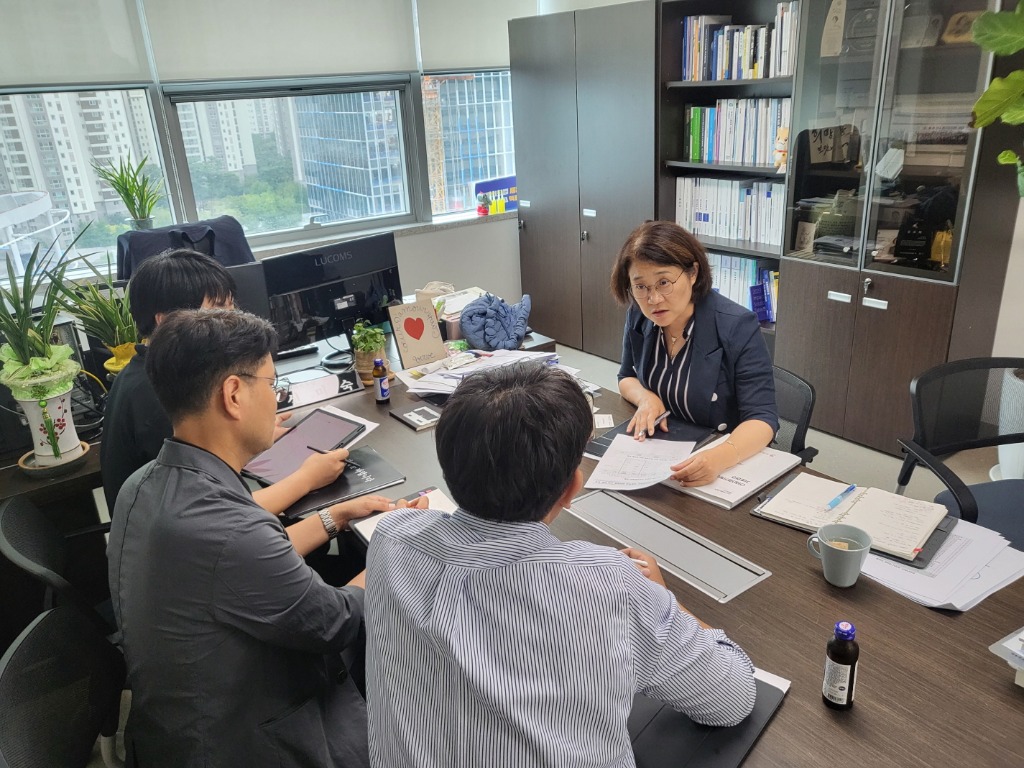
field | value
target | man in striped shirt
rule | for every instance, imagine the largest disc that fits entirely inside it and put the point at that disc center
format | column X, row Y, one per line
column 490, row 642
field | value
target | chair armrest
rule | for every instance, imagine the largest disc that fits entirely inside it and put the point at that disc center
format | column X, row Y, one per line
column 961, row 493
column 807, row 455
column 88, row 530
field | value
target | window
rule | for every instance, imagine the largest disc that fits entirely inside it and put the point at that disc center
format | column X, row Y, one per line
column 468, row 132
column 278, row 162
column 39, row 210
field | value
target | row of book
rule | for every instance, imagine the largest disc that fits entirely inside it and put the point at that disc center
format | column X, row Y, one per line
column 716, row 49
column 741, row 280
column 739, row 131
column 733, row 209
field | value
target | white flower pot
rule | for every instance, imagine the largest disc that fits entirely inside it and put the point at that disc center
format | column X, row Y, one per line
column 58, row 407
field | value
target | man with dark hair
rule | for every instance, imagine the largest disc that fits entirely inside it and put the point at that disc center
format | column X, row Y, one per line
column 136, row 425
column 490, row 641
column 232, row 642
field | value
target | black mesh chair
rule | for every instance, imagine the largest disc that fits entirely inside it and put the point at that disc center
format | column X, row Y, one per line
column 963, row 405
column 60, row 684
column 30, row 542
column 794, row 399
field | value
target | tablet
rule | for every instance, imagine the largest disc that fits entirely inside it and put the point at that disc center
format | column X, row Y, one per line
column 321, row 429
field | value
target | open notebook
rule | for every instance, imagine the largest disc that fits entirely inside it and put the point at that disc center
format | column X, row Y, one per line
column 898, row 525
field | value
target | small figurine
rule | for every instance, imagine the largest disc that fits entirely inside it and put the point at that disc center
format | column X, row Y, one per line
column 781, row 153
column 483, row 204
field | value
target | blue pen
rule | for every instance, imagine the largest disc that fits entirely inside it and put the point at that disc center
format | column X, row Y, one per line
column 839, row 499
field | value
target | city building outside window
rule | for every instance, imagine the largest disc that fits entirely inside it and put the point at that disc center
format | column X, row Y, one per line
column 279, row 162
column 48, row 188
column 468, row 130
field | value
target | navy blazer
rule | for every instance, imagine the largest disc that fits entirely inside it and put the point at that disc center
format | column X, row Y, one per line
column 731, row 377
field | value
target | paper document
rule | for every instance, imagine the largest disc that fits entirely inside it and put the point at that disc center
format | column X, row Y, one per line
column 738, row 483
column 436, row 378
column 437, row 499
column 629, row 464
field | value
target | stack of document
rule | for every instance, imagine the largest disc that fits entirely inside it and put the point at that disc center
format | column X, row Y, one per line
column 437, row 378
column 973, row 563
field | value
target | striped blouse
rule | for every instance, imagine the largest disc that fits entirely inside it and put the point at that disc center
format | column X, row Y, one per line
column 496, row 644
column 669, row 377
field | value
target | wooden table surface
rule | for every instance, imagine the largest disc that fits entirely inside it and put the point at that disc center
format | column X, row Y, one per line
column 929, row 692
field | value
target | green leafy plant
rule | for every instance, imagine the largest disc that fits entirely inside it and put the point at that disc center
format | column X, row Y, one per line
column 1002, row 33
column 101, row 311
column 138, row 191
column 367, row 338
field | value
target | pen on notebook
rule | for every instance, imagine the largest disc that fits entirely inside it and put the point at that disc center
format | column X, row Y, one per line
column 839, row 499
column 348, row 462
column 657, row 421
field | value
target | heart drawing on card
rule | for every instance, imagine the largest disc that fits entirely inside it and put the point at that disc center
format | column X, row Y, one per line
column 414, row 326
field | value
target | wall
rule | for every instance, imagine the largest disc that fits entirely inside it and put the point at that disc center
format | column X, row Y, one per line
column 557, row 6
column 1009, row 339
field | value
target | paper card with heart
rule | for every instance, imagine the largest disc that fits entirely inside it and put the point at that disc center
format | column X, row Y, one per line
column 417, row 334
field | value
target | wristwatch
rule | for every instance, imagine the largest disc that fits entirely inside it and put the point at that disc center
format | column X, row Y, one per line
column 329, row 525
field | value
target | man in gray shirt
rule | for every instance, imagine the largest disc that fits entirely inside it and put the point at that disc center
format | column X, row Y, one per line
column 232, row 642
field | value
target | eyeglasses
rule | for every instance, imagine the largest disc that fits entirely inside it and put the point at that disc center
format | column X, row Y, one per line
column 281, row 387
column 663, row 287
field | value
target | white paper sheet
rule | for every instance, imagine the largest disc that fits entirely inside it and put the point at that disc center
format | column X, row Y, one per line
column 629, row 464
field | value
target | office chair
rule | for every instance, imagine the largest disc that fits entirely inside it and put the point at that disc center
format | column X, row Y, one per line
column 30, row 542
column 60, row 688
column 962, row 405
column 221, row 238
column 794, row 399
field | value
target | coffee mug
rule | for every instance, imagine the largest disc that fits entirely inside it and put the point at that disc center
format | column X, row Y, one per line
column 842, row 550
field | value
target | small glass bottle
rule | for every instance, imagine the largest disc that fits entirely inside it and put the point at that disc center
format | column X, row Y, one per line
column 841, row 656
column 381, row 390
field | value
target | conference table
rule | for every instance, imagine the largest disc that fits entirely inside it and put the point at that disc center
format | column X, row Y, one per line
column 929, row 692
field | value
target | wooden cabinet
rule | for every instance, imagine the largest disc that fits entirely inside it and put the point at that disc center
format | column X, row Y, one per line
column 583, row 88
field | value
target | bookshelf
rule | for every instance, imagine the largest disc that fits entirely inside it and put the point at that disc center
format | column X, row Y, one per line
column 696, row 80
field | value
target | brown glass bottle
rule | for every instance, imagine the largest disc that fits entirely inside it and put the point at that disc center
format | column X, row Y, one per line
column 381, row 390
column 841, row 654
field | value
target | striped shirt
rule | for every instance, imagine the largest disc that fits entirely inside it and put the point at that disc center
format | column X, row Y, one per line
column 669, row 377
column 496, row 644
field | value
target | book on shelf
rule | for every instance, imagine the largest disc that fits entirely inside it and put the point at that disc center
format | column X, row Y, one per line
column 736, row 131
column 747, row 210
column 897, row 525
column 715, row 48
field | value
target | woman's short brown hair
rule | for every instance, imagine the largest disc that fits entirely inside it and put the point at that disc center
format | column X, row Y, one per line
column 661, row 242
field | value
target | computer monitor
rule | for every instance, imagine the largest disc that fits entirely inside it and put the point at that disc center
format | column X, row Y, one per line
column 251, row 288
column 321, row 292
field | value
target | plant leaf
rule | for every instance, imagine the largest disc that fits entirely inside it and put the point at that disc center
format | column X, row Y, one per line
column 1004, row 94
column 1008, row 157
column 1002, row 33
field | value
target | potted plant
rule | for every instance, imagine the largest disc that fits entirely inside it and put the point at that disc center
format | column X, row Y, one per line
column 1002, row 33
column 138, row 191
column 368, row 343
column 102, row 313
column 39, row 373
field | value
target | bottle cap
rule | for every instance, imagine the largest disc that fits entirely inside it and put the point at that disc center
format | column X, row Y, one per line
column 845, row 630
column 378, row 361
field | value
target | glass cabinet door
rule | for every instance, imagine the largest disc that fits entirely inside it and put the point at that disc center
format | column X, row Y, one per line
column 837, row 98
column 925, row 152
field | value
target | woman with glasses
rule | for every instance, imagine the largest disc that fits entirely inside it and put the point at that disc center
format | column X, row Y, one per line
column 689, row 352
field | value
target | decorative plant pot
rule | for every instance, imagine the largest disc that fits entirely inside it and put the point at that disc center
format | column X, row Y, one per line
column 54, row 438
column 364, row 365
column 146, row 223
column 122, row 355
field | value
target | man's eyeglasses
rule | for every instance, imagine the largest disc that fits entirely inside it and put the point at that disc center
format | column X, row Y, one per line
column 281, row 387
column 663, row 288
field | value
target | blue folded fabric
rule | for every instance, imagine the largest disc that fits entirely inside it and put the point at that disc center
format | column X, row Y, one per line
column 489, row 323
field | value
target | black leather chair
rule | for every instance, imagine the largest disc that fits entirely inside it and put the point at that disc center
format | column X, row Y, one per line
column 30, row 542
column 963, row 405
column 60, row 688
column 221, row 238
column 794, row 399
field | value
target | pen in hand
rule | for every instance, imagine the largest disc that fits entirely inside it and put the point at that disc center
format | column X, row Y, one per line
column 348, row 462
column 839, row 499
column 657, row 421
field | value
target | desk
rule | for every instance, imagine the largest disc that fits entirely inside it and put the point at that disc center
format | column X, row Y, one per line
column 929, row 693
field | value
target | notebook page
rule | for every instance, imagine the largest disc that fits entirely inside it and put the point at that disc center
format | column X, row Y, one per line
column 802, row 502
column 897, row 524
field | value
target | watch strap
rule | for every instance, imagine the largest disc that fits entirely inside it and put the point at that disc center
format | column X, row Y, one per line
column 329, row 525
